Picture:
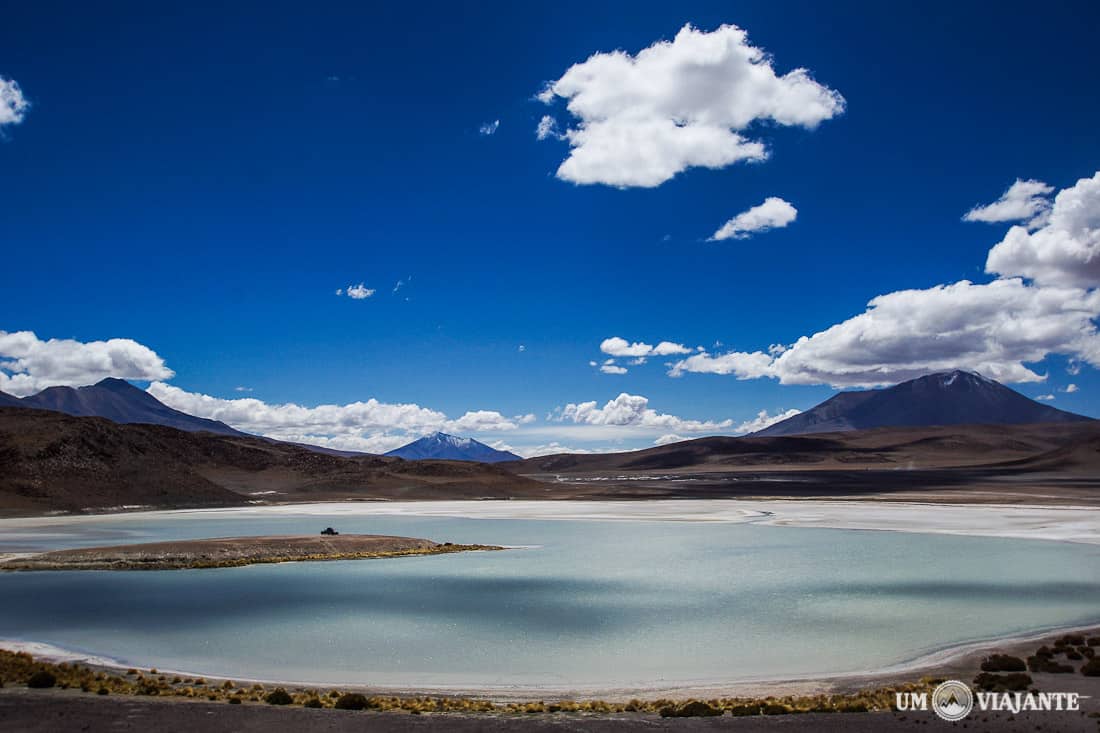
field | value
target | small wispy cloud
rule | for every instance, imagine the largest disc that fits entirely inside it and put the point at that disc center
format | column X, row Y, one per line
column 356, row 292
column 489, row 128
column 242, row 389
column 547, row 128
column 774, row 213
column 13, row 105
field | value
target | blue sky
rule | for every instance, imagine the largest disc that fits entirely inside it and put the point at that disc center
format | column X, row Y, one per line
column 202, row 180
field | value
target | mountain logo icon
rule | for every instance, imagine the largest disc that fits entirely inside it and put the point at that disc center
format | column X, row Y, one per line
column 952, row 700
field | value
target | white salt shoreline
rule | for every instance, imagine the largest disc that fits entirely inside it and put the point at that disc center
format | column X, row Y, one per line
column 1029, row 522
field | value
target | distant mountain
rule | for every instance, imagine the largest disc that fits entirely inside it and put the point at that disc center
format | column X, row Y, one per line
column 7, row 400
column 441, row 446
column 122, row 402
column 946, row 398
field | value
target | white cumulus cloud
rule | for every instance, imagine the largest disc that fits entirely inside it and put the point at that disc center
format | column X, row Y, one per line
column 618, row 346
column 763, row 420
column 774, row 213
column 633, row 411
column 1022, row 200
column 13, row 105
column 29, row 364
column 641, row 119
column 358, row 292
column 370, row 426
column 1064, row 249
column 996, row 329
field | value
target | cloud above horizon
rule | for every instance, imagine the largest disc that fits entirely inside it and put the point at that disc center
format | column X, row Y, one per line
column 641, row 119
column 29, row 364
column 629, row 410
column 369, row 426
column 774, row 213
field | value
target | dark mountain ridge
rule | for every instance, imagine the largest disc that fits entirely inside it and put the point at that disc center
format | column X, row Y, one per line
column 946, row 398
column 121, row 402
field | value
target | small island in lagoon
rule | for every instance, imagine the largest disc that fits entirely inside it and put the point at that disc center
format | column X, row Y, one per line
column 225, row 552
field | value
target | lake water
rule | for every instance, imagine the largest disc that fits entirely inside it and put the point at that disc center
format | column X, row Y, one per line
column 585, row 604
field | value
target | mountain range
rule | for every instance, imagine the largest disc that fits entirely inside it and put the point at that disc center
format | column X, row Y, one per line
column 946, row 398
column 53, row 461
column 441, row 446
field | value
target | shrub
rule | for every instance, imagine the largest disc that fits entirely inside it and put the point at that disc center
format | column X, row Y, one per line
column 352, row 701
column 41, row 679
column 743, row 710
column 1094, row 641
column 102, row 691
column 278, row 696
column 1048, row 665
column 1017, row 681
column 1003, row 663
column 312, row 702
column 691, row 709
column 234, row 701
column 776, row 708
column 1074, row 655
column 1091, row 668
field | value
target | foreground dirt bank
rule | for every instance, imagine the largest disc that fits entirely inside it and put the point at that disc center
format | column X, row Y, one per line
column 66, row 711
column 39, row 695
column 234, row 552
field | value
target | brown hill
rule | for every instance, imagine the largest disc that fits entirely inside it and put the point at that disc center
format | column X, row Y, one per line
column 51, row 461
column 989, row 463
column 926, row 447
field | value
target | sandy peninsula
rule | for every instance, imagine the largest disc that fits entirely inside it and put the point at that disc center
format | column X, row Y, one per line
column 226, row 552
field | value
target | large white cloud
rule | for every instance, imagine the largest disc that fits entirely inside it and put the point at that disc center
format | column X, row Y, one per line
column 629, row 410
column 13, row 105
column 774, row 213
column 354, row 424
column 1063, row 249
column 29, row 364
column 995, row 329
column 1023, row 200
column 644, row 118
